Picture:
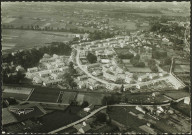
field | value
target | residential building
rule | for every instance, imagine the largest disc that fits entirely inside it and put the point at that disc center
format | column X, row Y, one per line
column 44, row 73
column 31, row 70
column 128, row 80
column 94, row 65
column 97, row 72
column 109, row 76
column 81, row 84
column 139, row 108
column 141, row 78
column 37, row 80
column 104, row 61
column 110, row 87
column 83, row 77
column 19, row 68
column 52, row 82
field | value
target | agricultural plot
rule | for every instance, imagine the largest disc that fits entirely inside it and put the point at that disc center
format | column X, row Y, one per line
column 45, row 95
column 68, row 97
column 121, row 115
column 23, row 39
column 182, row 68
column 94, row 99
column 138, row 69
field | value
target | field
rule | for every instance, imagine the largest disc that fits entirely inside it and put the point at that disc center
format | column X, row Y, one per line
column 121, row 115
column 94, row 99
column 127, row 25
column 45, row 95
column 68, row 97
column 56, row 120
column 23, row 39
column 177, row 94
column 182, row 68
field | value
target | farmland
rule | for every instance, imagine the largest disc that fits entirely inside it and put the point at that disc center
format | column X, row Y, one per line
column 121, row 115
column 24, row 39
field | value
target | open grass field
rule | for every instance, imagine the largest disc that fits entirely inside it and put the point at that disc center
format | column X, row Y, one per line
column 23, row 39
column 182, row 68
column 129, row 25
column 94, row 99
column 56, row 120
column 68, row 96
column 121, row 115
column 45, row 95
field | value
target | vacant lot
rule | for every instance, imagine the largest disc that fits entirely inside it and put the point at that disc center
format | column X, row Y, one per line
column 23, row 39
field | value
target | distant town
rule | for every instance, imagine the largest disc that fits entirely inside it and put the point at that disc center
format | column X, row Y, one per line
column 82, row 71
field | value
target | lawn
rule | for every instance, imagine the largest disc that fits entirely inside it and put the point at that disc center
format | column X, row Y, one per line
column 23, row 39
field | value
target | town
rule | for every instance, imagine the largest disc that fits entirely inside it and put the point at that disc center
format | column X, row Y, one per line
column 107, row 81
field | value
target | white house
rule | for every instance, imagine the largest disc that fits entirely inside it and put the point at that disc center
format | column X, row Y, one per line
column 140, row 109
column 19, row 68
column 128, row 80
column 31, row 70
column 110, row 87
column 44, row 73
column 83, row 77
column 37, row 80
column 97, row 73
column 187, row 100
column 81, row 84
column 110, row 76
column 94, row 65
column 105, row 61
column 52, row 82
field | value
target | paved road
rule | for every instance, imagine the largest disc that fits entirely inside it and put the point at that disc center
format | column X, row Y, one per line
column 107, row 83
column 93, row 113
column 173, row 75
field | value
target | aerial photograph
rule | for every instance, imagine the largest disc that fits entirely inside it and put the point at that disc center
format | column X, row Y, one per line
column 95, row 68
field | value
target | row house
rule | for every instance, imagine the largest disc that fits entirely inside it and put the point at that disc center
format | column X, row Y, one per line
column 97, row 72
column 56, row 76
column 52, row 82
column 110, row 87
column 104, row 61
column 81, row 84
column 32, row 70
column 59, row 65
column 37, row 80
column 109, row 76
column 128, row 79
column 92, row 65
column 83, row 77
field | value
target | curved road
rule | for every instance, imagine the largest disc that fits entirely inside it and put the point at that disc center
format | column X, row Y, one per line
column 107, row 83
column 93, row 113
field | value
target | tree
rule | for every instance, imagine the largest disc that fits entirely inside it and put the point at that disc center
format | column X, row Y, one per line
column 122, row 88
column 84, row 104
column 101, row 117
column 91, row 58
column 71, row 69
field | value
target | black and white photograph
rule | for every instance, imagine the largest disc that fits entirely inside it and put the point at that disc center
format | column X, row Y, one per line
column 95, row 67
